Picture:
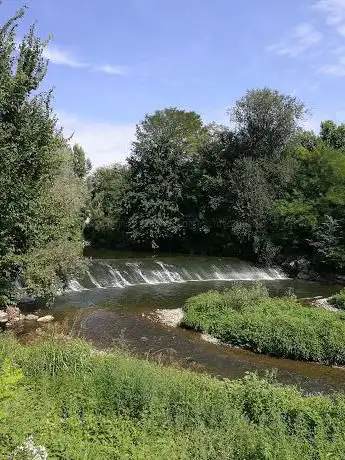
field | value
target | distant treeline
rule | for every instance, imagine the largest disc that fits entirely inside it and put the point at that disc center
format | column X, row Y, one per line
column 263, row 189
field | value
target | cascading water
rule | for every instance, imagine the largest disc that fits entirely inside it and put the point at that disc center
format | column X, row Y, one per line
column 120, row 273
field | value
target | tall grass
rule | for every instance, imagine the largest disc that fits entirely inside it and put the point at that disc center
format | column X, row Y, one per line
column 83, row 405
column 338, row 300
column 250, row 318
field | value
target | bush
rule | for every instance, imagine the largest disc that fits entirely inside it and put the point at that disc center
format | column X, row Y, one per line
column 113, row 406
column 249, row 318
column 338, row 300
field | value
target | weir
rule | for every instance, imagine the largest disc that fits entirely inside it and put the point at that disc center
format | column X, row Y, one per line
column 120, row 273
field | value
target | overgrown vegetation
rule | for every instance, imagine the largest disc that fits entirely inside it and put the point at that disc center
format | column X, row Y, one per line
column 82, row 405
column 42, row 187
column 250, row 318
column 338, row 300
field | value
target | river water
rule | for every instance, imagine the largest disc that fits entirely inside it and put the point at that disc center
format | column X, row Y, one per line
column 114, row 302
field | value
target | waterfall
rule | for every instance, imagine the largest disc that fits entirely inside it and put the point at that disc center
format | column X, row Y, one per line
column 121, row 273
column 93, row 280
column 75, row 286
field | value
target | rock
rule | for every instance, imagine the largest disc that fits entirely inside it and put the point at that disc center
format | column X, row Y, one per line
column 324, row 302
column 209, row 338
column 46, row 319
column 3, row 317
column 172, row 318
column 340, row 278
column 13, row 314
column 31, row 317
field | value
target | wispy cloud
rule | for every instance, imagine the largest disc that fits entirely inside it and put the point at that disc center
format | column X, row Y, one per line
column 63, row 57
column 111, row 69
column 335, row 13
column 303, row 37
column 337, row 68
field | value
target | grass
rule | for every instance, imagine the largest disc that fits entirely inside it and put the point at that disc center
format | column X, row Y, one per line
column 338, row 300
column 84, row 405
column 283, row 327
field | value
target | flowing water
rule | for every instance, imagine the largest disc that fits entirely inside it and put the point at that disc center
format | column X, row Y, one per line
column 114, row 301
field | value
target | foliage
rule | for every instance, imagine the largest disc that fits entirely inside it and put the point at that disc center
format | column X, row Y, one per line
column 266, row 120
column 332, row 134
column 111, row 405
column 9, row 379
column 283, row 327
column 81, row 164
column 41, row 197
column 107, row 189
column 338, row 300
column 263, row 189
column 160, row 170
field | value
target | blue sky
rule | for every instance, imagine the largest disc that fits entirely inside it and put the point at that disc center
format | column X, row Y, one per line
column 113, row 61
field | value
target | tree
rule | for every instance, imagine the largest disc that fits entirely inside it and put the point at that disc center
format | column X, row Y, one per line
column 32, row 159
column 328, row 245
column 160, row 169
column 81, row 164
column 332, row 134
column 265, row 120
column 107, row 188
column 55, row 254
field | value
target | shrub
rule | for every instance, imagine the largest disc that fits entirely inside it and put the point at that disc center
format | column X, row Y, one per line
column 249, row 318
column 9, row 379
column 338, row 300
column 116, row 406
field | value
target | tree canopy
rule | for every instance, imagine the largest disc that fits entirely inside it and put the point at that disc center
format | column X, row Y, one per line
column 41, row 193
column 262, row 188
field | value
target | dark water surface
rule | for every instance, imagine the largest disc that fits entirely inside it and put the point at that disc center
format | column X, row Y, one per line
column 112, row 304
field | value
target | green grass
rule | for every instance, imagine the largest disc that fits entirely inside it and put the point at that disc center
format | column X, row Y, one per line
column 249, row 318
column 338, row 300
column 83, row 405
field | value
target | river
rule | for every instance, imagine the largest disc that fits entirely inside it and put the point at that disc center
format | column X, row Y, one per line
column 114, row 301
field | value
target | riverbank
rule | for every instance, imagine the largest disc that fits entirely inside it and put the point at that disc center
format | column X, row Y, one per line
column 81, row 404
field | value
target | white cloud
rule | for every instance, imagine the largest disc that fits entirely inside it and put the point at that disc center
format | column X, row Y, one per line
column 111, row 69
column 335, row 13
column 103, row 142
column 303, row 37
column 336, row 69
column 62, row 57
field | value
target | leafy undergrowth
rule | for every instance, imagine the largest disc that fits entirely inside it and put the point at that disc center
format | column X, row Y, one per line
column 338, row 300
column 79, row 404
column 250, row 318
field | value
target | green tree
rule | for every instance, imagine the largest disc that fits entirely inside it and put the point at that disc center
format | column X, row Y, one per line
column 32, row 159
column 328, row 243
column 107, row 188
column 160, row 170
column 265, row 120
column 81, row 164
column 333, row 134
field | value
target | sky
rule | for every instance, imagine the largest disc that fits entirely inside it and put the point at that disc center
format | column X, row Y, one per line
column 113, row 61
